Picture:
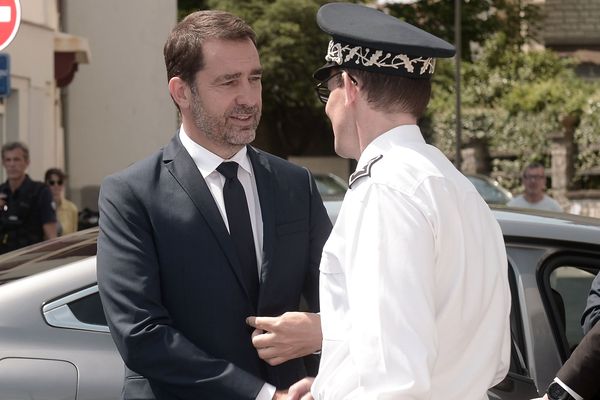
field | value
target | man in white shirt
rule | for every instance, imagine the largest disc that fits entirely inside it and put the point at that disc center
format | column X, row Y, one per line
column 534, row 185
column 414, row 293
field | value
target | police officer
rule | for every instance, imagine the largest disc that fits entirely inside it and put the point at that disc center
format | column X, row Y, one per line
column 414, row 294
column 27, row 212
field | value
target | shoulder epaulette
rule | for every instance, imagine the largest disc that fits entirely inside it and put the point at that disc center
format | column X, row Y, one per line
column 364, row 171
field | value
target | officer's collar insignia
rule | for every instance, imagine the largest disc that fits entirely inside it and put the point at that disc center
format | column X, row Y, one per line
column 364, row 171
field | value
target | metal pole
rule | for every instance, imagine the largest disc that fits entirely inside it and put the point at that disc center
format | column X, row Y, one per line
column 457, row 44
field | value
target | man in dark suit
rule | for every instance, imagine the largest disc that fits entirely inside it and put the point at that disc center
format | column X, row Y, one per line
column 207, row 232
column 579, row 376
column 591, row 315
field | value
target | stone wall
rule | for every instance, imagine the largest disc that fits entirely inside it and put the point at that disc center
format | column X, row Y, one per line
column 584, row 202
column 571, row 23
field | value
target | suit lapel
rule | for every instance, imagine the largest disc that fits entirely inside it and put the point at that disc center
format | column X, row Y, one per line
column 266, row 195
column 182, row 167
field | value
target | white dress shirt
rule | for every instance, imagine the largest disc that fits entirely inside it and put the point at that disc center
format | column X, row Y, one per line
column 207, row 163
column 414, row 291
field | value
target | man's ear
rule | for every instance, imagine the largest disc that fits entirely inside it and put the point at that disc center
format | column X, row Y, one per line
column 180, row 92
column 350, row 89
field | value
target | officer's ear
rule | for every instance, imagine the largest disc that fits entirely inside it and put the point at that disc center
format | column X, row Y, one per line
column 351, row 89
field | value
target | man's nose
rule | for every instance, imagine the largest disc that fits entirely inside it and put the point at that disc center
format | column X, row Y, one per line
column 249, row 94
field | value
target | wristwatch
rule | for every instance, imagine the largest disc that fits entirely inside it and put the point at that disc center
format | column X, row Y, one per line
column 557, row 392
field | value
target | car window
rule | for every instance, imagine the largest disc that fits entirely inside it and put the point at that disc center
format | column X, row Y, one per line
column 567, row 282
column 330, row 186
column 490, row 193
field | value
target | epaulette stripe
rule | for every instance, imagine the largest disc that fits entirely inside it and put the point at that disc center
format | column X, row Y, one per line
column 365, row 171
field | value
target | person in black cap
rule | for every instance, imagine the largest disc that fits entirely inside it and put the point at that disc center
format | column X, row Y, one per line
column 414, row 293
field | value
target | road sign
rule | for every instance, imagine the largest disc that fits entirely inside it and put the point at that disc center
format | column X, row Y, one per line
column 4, row 74
column 10, row 19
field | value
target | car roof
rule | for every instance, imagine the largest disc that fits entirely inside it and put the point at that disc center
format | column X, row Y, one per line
column 47, row 255
column 522, row 223
column 516, row 224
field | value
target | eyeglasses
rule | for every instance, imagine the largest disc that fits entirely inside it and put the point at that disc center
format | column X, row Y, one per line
column 322, row 87
column 534, row 177
column 52, row 182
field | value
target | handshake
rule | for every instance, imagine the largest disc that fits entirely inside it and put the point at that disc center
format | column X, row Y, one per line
column 289, row 336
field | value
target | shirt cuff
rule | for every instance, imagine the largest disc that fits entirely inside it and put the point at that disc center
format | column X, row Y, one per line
column 568, row 389
column 268, row 391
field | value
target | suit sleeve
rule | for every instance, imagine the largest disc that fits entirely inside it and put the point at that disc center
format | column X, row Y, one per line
column 580, row 372
column 129, row 284
column 591, row 315
column 320, row 228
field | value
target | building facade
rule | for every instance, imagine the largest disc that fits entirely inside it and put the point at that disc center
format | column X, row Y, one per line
column 88, row 87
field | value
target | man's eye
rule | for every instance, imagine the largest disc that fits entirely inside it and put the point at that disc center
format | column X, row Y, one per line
column 256, row 78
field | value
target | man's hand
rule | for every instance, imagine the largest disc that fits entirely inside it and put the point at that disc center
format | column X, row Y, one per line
column 289, row 336
column 280, row 395
column 301, row 390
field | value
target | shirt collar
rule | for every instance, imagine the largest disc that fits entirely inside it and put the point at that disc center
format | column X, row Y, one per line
column 400, row 135
column 207, row 161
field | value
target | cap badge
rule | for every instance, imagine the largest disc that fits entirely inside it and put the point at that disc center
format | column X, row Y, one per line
column 343, row 54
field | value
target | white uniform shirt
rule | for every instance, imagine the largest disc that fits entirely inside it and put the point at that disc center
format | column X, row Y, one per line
column 414, row 290
column 547, row 203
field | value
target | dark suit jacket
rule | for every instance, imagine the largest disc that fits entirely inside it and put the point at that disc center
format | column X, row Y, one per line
column 169, row 276
column 591, row 315
column 581, row 372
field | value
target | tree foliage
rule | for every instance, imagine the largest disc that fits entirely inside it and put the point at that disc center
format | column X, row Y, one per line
column 513, row 100
column 480, row 20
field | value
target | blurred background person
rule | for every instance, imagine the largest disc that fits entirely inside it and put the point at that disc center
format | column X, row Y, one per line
column 66, row 210
column 27, row 215
column 534, row 187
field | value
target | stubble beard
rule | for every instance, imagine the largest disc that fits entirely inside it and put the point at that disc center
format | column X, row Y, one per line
column 219, row 129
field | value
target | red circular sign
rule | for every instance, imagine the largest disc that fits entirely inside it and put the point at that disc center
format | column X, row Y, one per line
column 10, row 18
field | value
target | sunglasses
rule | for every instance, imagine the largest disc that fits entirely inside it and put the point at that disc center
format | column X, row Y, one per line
column 52, row 182
column 322, row 87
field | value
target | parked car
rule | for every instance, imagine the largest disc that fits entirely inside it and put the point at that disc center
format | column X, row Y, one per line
column 491, row 191
column 55, row 344
column 330, row 186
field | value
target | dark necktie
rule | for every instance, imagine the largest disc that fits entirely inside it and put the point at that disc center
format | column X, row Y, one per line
column 240, row 229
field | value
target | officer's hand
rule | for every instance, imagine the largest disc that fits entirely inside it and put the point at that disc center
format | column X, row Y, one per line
column 289, row 336
column 280, row 395
column 301, row 390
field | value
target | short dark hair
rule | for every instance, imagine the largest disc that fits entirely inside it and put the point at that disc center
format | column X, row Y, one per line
column 54, row 171
column 183, row 49
column 532, row 165
column 16, row 145
column 392, row 93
